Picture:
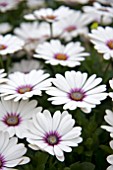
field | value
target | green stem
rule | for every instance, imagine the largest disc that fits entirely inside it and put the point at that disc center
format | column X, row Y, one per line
column 51, row 29
column 106, row 69
column 1, row 62
column 8, row 63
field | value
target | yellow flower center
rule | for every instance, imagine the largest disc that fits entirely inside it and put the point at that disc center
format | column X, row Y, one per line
column 61, row 56
column 24, row 89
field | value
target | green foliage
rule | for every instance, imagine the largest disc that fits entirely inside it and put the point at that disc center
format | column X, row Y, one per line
column 82, row 166
column 92, row 152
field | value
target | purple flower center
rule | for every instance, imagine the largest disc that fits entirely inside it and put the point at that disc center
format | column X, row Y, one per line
column 52, row 138
column 12, row 119
column 110, row 44
column 70, row 28
column 3, row 4
column 24, row 89
column 61, row 56
column 2, row 47
column 103, row 9
column 77, row 95
column 2, row 162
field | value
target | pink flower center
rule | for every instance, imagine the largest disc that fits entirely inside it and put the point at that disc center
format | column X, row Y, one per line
column 77, row 95
column 24, row 89
column 110, row 44
column 2, row 47
column 12, row 119
column 61, row 56
column 70, row 28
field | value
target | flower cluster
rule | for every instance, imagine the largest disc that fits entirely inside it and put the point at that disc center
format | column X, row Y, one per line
column 56, row 84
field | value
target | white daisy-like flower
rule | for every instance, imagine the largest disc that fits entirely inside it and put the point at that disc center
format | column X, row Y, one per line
column 99, row 13
column 5, row 27
column 33, row 33
column 100, row 9
column 70, row 28
column 56, row 53
column 102, row 38
column 110, row 158
column 54, row 134
column 77, row 90
column 6, row 5
column 26, row 66
column 11, row 153
column 111, row 85
column 49, row 15
column 23, row 86
column 10, row 44
column 35, row 3
column 2, row 76
column 109, row 119
column 15, row 116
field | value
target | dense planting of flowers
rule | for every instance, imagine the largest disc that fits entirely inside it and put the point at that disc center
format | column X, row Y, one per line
column 56, row 84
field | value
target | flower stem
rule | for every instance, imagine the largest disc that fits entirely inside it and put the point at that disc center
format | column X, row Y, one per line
column 1, row 62
column 106, row 69
column 51, row 29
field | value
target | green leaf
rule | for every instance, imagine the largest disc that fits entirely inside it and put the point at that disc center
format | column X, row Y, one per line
column 82, row 166
column 67, row 168
column 107, row 149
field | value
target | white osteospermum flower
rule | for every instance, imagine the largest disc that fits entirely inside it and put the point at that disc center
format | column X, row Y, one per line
column 102, row 38
column 6, row 5
column 2, row 76
column 111, row 85
column 26, row 66
column 70, row 28
column 32, row 33
column 54, row 134
column 56, row 53
column 77, row 90
column 5, row 27
column 99, row 13
column 49, row 15
column 97, row 8
column 11, row 153
column 110, row 158
column 109, row 119
column 10, row 44
column 23, row 86
column 15, row 115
